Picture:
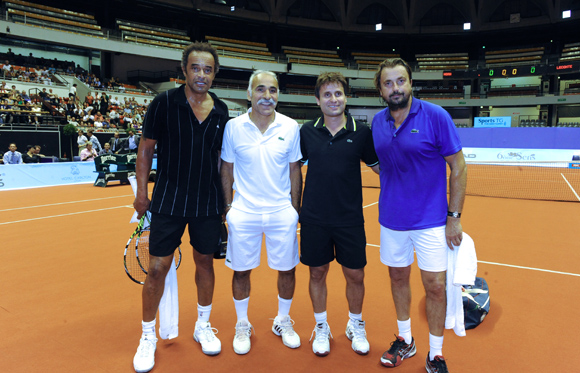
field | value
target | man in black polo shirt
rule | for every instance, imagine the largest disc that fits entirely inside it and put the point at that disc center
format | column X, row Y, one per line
column 332, row 222
column 187, row 125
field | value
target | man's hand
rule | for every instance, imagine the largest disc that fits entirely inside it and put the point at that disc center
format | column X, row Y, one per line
column 141, row 205
column 453, row 232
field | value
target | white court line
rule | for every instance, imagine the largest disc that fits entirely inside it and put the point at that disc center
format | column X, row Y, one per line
column 573, row 191
column 530, row 268
column 56, row 216
column 372, row 204
column 64, row 203
column 514, row 266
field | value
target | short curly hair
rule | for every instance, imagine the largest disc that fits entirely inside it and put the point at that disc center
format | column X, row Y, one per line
column 199, row 46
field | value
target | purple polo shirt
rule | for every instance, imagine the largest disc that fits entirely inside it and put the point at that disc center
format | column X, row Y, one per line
column 413, row 170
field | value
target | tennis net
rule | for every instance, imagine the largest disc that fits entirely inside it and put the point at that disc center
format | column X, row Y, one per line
column 552, row 181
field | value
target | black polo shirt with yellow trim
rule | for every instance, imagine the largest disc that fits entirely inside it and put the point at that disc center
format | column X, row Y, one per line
column 188, row 183
column 333, row 186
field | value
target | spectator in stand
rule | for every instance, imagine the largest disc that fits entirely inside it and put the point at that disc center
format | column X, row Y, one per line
column 51, row 70
column 99, row 119
column 10, row 55
column 113, row 118
column 25, row 97
column 70, row 109
column 88, row 154
column 36, row 116
column 54, row 99
column 82, row 141
column 89, row 99
column 69, row 70
column 115, row 101
column 30, row 60
column 7, row 70
column 30, row 156
column 3, row 87
column 73, row 92
column 94, row 141
column 12, row 156
column 43, row 94
column 6, row 116
column 104, row 103
column 128, row 120
column 106, row 149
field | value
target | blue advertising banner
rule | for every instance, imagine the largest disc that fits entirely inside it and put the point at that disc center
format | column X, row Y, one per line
column 486, row 122
column 46, row 174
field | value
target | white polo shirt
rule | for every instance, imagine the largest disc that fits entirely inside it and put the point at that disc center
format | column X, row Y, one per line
column 261, row 162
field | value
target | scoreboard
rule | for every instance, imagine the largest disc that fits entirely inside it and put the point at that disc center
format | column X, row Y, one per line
column 510, row 71
column 513, row 71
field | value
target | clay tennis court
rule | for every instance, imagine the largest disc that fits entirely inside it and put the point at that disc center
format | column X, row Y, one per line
column 66, row 304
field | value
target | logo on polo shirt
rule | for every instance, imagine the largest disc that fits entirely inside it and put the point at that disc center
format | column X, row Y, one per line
column 414, row 131
column 348, row 140
column 281, row 138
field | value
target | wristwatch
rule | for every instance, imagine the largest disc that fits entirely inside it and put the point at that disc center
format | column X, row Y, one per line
column 454, row 214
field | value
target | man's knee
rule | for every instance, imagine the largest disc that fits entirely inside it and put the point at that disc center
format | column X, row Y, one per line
column 203, row 261
column 318, row 274
column 434, row 284
column 399, row 274
column 354, row 276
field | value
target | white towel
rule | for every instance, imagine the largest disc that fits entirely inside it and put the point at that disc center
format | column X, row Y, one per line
column 461, row 270
column 169, row 306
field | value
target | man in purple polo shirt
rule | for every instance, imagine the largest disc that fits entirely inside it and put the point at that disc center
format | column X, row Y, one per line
column 414, row 141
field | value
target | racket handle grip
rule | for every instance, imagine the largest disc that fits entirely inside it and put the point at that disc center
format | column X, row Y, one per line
column 133, row 182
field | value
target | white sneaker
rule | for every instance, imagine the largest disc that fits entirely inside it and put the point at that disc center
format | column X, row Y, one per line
column 321, row 343
column 144, row 359
column 283, row 326
column 355, row 331
column 242, row 342
column 204, row 334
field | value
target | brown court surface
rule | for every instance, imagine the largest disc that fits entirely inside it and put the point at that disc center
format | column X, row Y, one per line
column 66, row 304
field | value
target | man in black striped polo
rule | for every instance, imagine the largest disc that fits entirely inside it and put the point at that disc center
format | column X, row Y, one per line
column 187, row 125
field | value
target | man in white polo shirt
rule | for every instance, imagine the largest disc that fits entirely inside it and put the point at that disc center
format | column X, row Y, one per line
column 264, row 146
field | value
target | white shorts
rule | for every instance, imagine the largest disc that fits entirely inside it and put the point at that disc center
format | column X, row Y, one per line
column 430, row 245
column 245, row 239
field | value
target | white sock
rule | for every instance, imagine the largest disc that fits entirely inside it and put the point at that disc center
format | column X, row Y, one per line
column 242, row 308
column 320, row 317
column 355, row 316
column 435, row 346
column 284, row 306
column 148, row 327
column 405, row 330
column 203, row 313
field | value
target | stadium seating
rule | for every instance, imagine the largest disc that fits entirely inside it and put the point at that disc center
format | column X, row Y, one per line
column 241, row 49
column 514, row 56
column 53, row 18
column 152, row 35
column 443, row 61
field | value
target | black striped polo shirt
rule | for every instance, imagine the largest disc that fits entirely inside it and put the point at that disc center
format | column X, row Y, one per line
column 188, row 182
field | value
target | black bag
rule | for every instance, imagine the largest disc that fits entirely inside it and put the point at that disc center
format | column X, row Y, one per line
column 475, row 302
column 221, row 253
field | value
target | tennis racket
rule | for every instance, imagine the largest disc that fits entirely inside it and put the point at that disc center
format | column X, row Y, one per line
column 132, row 265
column 142, row 251
column 221, row 253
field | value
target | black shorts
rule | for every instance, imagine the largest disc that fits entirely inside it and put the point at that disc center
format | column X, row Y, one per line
column 319, row 245
column 167, row 230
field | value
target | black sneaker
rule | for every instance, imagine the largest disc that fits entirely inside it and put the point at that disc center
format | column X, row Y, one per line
column 436, row 365
column 399, row 350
